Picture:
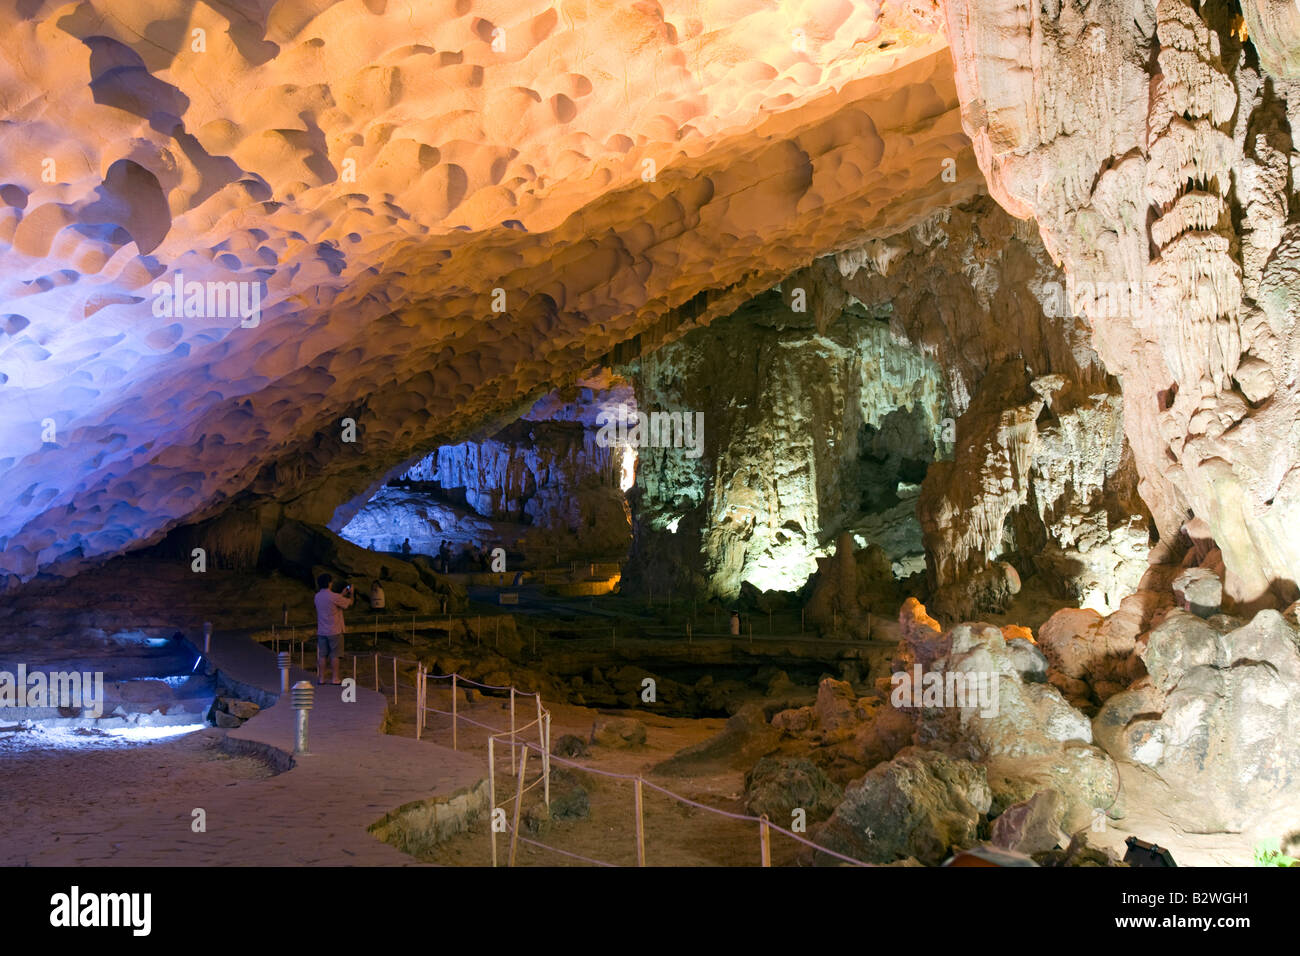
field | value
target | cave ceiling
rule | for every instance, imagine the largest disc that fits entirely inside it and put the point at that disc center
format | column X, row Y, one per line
column 431, row 213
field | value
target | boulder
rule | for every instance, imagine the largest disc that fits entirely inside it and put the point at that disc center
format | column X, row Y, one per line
column 1218, row 716
column 777, row 786
column 1090, row 657
column 1199, row 590
column 570, row 745
column 225, row 720
column 618, row 732
column 921, row 804
column 243, row 709
column 1028, row 735
column 1031, row 826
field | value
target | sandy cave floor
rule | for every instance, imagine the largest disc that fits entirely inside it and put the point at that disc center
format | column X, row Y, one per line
column 54, row 795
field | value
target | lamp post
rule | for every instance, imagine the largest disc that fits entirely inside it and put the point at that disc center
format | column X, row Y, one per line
column 303, row 693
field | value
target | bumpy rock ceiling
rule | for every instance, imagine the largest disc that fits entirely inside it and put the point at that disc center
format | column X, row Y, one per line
column 375, row 172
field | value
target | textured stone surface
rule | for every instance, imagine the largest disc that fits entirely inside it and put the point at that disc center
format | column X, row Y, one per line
column 779, row 785
column 376, row 171
column 618, row 732
column 1030, row 738
column 1217, row 716
column 920, row 804
column 1031, row 826
column 1159, row 166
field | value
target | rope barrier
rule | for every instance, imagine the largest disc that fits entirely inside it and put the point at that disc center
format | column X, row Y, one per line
column 543, row 777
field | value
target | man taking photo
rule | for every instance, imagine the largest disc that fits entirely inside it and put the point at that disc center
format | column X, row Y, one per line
column 329, row 626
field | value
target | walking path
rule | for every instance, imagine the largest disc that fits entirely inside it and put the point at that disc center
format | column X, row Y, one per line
column 315, row 813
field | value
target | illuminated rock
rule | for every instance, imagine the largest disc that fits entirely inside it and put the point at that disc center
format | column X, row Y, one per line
column 920, row 804
column 1216, row 718
column 444, row 212
column 1155, row 153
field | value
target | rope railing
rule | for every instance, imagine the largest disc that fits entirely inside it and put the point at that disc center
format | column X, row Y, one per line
column 508, row 737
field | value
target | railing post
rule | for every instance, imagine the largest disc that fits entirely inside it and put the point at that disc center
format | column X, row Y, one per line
column 492, row 796
column 519, row 800
column 546, row 762
column 419, row 699
column 640, row 828
column 765, row 841
column 394, row 680
column 454, row 722
column 512, row 715
column 376, row 672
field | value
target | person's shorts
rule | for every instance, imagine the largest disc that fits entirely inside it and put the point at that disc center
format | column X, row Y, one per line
column 329, row 645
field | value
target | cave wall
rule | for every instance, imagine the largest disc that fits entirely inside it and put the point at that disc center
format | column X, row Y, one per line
column 1152, row 143
column 1040, row 475
column 802, row 428
column 962, row 320
column 546, row 485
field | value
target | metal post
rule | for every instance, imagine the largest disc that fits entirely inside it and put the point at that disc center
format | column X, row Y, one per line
column 764, row 841
column 285, row 662
column 640, row 828
column 376, row 672
column 519, row 800
column 492, row 796
column 302, row 701
column 394, row 680
column 207, row 637
column 454, row 721
column 419, row 700
column 512, row 715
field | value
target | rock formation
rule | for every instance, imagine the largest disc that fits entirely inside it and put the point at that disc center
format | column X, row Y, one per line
column 1154, row 150
column 438, row 212
column 546, row 485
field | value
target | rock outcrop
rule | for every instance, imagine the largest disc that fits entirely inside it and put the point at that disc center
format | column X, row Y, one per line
column 921, row 804
column 1154, row 149
column 1217, row 715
